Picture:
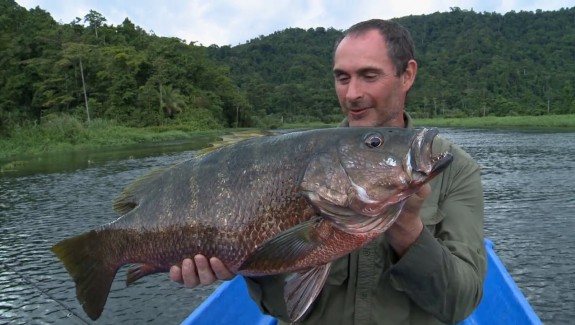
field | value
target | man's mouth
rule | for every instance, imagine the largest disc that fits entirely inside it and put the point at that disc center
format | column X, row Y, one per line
column 358, row 112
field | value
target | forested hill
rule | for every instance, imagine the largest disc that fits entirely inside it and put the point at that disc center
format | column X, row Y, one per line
column 470, row 64
column 89, row 69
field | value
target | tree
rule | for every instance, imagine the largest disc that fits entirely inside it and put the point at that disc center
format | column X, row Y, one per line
column 95, row 20
column 71, row 55
column 171, row 101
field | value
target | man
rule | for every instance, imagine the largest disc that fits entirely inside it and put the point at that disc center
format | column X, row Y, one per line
column 428, row 268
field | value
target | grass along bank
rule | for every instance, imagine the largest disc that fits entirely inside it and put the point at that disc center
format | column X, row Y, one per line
column 542, row 121
column 65, row 133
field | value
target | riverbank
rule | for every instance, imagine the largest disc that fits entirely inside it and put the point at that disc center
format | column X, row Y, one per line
column 68, row 134
column 566, row 122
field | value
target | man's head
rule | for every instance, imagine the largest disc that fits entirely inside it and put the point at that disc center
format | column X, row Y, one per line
column 374, row 68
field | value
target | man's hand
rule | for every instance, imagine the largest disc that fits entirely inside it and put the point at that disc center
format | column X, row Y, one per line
column 408, row 226
column 200, row 271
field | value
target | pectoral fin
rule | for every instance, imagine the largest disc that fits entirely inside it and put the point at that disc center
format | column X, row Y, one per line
column 302, row 288
column 286, row 248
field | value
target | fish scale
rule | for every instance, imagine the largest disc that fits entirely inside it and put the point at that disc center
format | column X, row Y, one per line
column 289, row 203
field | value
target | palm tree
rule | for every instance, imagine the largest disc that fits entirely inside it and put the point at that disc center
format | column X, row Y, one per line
column 171, row 101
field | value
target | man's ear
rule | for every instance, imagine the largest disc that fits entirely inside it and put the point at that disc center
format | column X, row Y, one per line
column 408, row 76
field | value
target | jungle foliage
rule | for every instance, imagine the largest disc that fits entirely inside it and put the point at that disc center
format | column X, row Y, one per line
column 470, row 64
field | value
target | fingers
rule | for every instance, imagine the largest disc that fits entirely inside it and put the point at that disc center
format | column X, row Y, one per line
column 189, row 274
column 424, row 191
column 205, row 274
column 220, row 270
column 176, row 274
column 200, row 271
column 185, row 274
column 414, row 203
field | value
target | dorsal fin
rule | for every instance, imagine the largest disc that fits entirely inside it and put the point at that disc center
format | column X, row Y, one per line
column 232, row 138
column 132, row 194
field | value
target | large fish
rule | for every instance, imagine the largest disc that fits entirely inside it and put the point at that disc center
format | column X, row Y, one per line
column 290, row 203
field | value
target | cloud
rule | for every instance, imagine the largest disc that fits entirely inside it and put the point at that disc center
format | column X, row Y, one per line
column 230, row 22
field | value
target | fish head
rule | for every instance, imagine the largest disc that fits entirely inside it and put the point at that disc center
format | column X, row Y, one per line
column 371, row 173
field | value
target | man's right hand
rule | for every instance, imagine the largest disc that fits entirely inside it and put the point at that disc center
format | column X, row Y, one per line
column 200, row 271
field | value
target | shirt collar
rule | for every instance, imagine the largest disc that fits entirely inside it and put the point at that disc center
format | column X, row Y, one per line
column 406, row 118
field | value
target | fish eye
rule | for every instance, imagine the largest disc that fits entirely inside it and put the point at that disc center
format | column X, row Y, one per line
column 374, row 141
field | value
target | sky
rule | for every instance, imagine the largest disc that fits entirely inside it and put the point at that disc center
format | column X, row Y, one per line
column 233, row 22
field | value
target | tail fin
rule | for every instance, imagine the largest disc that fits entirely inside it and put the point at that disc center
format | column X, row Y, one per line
column 90, row 268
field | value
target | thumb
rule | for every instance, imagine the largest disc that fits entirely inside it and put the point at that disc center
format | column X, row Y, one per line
column 424, row 191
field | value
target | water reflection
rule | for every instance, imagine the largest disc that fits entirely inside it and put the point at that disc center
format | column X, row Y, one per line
column 528, row 180
column 75, row 160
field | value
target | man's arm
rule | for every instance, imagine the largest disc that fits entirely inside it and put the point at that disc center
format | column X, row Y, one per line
column 443, row 272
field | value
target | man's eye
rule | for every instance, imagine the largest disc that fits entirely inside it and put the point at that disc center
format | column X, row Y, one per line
column 342, row 78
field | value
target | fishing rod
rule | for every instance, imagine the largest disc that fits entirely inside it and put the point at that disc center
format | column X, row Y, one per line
column 44, row 292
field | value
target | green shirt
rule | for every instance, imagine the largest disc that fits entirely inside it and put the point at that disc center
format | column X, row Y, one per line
column 438, row 280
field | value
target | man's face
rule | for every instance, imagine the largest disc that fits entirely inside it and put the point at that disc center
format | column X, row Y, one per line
column 367, row 86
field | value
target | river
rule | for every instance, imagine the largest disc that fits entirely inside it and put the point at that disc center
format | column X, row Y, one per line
column 528, row 179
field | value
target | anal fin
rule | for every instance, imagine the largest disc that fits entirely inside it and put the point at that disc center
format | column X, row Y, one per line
column 139, row 271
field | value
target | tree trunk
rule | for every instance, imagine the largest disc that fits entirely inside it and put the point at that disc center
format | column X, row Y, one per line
column 85, row 95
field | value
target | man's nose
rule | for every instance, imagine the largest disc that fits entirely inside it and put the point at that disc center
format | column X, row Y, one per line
column 354, row 90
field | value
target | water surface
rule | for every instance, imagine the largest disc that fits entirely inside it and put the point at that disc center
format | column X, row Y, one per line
column 528, row 179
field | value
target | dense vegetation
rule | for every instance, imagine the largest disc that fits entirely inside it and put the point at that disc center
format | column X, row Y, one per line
column 470, row 64
column 98, row 71
column 71, row 76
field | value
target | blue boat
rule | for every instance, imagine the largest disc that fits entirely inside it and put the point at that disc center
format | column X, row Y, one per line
column 503, row 302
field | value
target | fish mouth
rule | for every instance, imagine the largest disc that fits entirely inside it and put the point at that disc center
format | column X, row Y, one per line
column 420, row 164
